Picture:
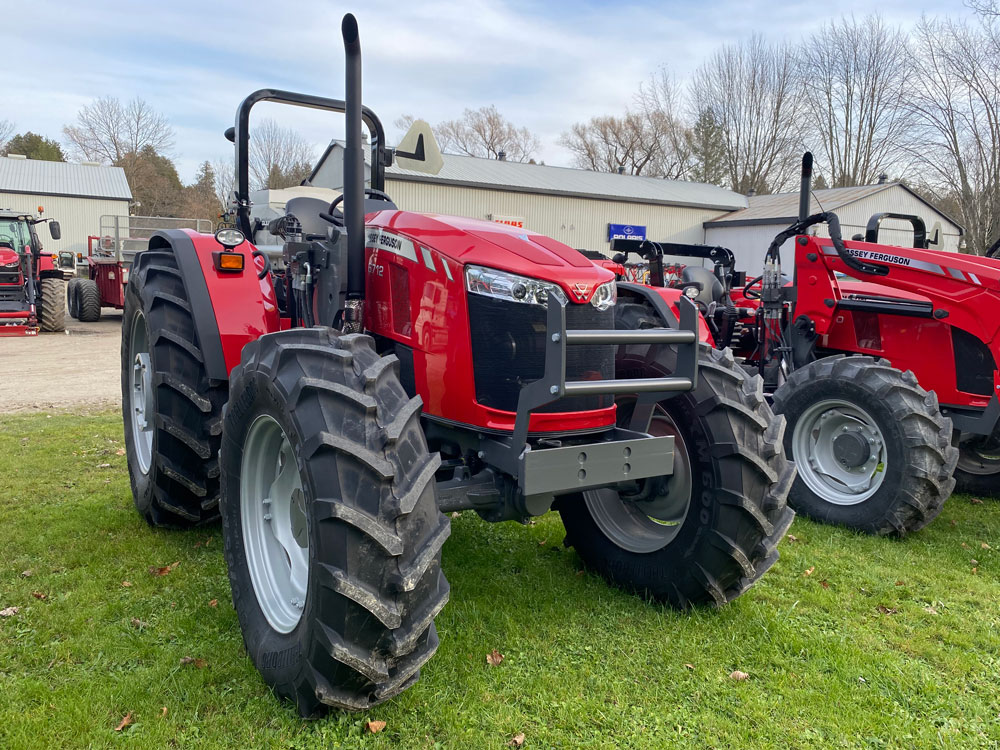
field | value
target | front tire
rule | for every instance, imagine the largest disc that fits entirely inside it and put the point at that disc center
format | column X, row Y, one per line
column 713, row 530
column 332, row 535
column 52, row 307
column 978, row 469
column 73, row 297
column 873, row 449
column 172, row 412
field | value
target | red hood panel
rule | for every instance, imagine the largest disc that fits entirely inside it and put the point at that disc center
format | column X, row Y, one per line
column 486, row 243
column 7, row 256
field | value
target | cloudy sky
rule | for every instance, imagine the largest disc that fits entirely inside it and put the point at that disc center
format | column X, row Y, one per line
column 544, row 65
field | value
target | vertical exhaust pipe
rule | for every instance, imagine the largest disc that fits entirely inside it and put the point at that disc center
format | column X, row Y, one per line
column 354, row 164
column 806, row 186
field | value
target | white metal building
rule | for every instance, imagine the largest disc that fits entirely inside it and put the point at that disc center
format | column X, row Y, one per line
column 76, row 195
column 574, row 206
column 749, row 232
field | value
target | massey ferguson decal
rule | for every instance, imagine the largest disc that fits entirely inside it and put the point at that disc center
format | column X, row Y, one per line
column 883, row 257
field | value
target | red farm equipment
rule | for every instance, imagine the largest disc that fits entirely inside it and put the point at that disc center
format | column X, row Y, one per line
column 32, row 295
column 102, row 274
column 882, row 359
column 333, row 399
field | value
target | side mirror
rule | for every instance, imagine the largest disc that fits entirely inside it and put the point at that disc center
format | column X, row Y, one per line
column 54, row 230
column 230, row 134
column 419, row 151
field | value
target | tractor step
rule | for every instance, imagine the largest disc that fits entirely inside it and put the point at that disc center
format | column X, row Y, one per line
column 9, row 331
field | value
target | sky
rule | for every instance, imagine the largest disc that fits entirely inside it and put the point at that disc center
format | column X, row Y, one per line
column 544, row 65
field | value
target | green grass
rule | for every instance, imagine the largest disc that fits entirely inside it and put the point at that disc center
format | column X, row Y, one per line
column 848, row 656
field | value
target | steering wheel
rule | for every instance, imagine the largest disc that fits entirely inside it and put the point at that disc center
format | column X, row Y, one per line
column 333, row 219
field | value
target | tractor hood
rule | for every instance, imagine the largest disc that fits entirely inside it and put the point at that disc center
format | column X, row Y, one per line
column 506, row 248
column 8, row 257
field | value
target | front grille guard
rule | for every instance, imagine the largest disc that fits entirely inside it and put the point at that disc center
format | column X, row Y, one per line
column 553, row 384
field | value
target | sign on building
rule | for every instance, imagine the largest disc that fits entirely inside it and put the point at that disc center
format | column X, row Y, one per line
column 626, row 232
column 511, row 221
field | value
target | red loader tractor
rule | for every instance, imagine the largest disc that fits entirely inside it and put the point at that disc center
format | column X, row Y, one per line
column 333, row 400
column 32, row 290
column 881, row 358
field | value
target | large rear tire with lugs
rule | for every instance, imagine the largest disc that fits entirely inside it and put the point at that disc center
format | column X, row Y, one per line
column 73, row 297
column 708, row 531
column 331, row 527
column 171, row 410
column 52, row 307
column 88, row 301
column 873, row 450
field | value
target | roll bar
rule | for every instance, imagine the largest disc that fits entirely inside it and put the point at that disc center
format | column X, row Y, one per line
column 919, row 228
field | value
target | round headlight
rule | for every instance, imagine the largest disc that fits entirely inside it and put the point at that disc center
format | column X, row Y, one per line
column 229, row 238
column 691, row 291
column 605, row 296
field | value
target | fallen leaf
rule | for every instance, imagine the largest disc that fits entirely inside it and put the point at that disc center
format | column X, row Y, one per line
column 974, row 562
column 984, row 545
column 124, row 722
column 214, row 603
column 199, row 663
column 39, row 595
column 965, row 546
column 120, row 452
column 374, row 727
column 824, row 584
column 738, row 675
column 163, row 712
column 517, row 740
column 27, row 573
column 580, row 572
column 900, row 583
column 976, row 501
column 456, row 514
column 930, row 610
column 792, row 538
column 689, row 666
column 809, row 571
column 543, row 543
column 103, row 466
column 9, row 611
column 137, row 623
column 954, row 522
column 493, row 658
column 974, row 571
column 127, row 584
column 155, row 571
column 887, row 610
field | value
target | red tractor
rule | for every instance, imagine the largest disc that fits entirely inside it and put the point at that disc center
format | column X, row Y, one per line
column 32, row 290
column 881, row 358
column 333, row 400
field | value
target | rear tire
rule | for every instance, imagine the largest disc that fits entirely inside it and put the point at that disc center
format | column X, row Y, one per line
column 737, row 476
column 172, row 412
column 89, row 301
column 349, row 620
column 52, row 310
column 73, row 297
column 893, row 472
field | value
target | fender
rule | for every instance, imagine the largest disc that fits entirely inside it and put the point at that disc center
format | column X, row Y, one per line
column 664, row 301
column 229, row 309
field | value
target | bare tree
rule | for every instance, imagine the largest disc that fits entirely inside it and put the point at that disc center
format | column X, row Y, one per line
column 613, row 144
column 855, row 77
column 403, row 123
column 6, row 131
column 956, row 104
column 751, row 89
column 279, row 157
column 108, row 131
column 225, row 180
column 659, row 102
column 485, row 133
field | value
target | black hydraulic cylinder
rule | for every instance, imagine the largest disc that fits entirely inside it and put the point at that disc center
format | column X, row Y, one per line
column 806, row 185
column 354, row 164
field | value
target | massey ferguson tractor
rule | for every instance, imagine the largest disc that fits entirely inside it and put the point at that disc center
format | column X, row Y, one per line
column 332, row 400
column 32, row 289
column 881, row 358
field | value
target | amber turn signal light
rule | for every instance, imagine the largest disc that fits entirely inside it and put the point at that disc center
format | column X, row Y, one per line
column 227, row 261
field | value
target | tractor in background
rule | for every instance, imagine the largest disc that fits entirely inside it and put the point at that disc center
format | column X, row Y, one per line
column 397, row 365
column 32, row 296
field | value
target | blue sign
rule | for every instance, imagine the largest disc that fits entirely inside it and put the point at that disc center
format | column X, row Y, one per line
column 626, row 232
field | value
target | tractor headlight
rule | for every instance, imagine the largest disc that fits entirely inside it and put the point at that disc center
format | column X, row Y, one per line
column 605, row 296
column 509, row 286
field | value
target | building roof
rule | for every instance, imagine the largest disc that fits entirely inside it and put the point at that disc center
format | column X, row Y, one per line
column 36, row 177
column 783, row 208
column 493, row 174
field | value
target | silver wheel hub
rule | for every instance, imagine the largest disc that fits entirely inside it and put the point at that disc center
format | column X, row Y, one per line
column 141, row 394
column 274, row 523
column 840, row 452
column 650, row 521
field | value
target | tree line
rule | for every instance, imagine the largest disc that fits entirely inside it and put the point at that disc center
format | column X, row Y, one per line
column 869, row 99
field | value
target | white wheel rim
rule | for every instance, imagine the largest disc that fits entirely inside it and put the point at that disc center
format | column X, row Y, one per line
column 141, row 394
column 836, row 474
column 275, row 530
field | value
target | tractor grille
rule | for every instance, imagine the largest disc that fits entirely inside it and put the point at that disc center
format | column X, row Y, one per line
column 10, row 276
column 508, row 352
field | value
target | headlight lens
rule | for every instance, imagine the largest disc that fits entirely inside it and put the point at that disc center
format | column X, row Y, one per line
column 605, row 296
column 510, row 287
column 229, row 238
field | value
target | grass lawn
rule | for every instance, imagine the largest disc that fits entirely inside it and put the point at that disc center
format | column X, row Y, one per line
column 848, row 642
